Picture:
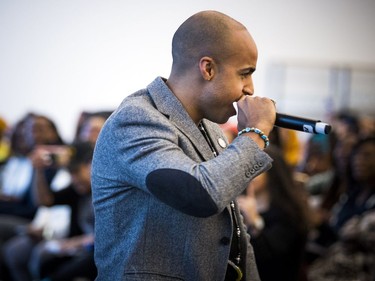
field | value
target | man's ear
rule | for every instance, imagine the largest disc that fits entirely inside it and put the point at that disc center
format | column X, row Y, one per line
column 206, row 67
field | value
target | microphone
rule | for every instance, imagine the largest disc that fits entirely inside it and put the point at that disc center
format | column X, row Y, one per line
column 302, row 124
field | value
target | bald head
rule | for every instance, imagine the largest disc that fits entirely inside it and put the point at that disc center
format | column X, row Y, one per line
column 207, row 33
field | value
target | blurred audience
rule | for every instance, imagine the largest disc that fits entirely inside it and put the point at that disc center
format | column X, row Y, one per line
column 346, row 124
column 367, row 126
column 329, row 182
column 46, row 158
column 352, row 257
column 17, row 204
column 337, row 173
column 36, row 254
column 359, row 196
column 332, row 247
column 276, row 212
column 332, row 176
column 17, row 177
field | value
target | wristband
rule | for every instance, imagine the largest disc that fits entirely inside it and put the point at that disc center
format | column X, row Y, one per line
column 257, row 131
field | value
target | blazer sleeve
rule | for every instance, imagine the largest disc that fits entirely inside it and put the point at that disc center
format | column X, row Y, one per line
column 141, row 148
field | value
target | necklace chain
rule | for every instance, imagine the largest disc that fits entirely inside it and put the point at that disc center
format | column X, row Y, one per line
column 232, row 205
column 203, row 130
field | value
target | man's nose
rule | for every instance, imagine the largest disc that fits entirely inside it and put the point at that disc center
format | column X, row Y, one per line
column 248, row 88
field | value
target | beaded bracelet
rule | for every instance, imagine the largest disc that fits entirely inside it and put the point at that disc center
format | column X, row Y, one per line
column 257, row 131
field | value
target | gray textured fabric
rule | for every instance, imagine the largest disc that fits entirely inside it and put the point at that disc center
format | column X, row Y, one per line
column 139, row 237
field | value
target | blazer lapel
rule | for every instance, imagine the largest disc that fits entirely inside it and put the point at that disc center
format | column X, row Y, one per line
column 168, row 104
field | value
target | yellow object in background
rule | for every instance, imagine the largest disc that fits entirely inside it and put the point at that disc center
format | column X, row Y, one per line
column 4, row 143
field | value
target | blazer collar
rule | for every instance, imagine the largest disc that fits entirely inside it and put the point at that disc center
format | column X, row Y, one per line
column 168, row 104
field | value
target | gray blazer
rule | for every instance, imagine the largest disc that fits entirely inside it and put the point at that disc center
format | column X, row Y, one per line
column 161, row 198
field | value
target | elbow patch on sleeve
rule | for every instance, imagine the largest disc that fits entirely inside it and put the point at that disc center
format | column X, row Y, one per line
column 181, row 191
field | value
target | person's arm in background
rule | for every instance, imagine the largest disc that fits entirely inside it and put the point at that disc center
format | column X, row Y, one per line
column 75, row 243
column 248, row 206
column 45, row 168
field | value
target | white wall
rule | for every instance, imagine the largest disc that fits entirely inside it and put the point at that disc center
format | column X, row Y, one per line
column 62, row 57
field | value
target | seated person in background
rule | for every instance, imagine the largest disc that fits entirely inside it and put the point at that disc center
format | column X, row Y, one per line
column 352, row 257
column 31, row 255
column 17, row 178
column 275, row 211
column 89, row 125
column 17, row 205
column 17, row 175
column 317, row 166
column 357, row 198
column 367, row 126
column 360, row 195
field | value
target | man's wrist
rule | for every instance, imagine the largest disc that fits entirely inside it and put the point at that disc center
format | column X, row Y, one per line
column 257, row 135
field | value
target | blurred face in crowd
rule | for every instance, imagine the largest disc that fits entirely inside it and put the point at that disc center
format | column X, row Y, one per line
column 81, row 178
column 39, row 130
column 91, row 128
column 341, row 153
column 363, row 164
column 318, row 163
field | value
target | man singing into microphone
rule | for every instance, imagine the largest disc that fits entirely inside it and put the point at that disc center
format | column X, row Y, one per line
column 164, row 179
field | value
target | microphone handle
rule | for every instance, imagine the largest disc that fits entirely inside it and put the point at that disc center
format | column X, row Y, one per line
column 301, row 124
